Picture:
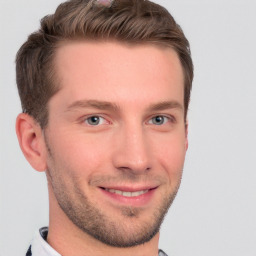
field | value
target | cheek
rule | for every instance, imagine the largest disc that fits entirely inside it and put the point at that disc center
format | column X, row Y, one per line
column 79, row 153
column 171, row 154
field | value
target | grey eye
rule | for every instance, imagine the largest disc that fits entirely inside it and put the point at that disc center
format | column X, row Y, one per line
column 93, row 120
column 159, row 120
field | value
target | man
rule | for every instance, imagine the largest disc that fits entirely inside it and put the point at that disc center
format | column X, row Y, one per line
column 105, row 87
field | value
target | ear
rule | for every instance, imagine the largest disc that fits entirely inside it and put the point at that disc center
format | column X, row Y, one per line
column 31, row 141
column 186, row 135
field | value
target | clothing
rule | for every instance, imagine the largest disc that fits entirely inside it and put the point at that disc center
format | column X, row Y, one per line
column 40, row 247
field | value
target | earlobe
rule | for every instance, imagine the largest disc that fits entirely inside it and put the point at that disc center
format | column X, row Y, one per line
column 31, row 141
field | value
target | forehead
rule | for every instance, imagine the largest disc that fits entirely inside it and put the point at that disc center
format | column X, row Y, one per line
column 113, row 70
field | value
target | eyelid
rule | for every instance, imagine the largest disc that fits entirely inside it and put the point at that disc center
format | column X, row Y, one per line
column 84, row 119
column 170, row 118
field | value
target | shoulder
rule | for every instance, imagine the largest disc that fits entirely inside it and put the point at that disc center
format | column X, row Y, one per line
column 162, row 253
column 29, row 251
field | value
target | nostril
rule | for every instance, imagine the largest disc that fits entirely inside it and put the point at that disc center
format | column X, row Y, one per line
column 134, row 169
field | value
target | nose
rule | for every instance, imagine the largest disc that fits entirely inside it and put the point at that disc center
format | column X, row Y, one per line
column 132, row 150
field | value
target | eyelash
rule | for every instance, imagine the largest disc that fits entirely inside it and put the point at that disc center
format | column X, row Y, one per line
column 86, row 120
column 167, row 119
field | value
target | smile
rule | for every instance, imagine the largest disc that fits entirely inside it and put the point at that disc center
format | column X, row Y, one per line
column 127, row 193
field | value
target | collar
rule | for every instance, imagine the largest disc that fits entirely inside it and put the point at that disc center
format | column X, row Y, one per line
column 40, row 247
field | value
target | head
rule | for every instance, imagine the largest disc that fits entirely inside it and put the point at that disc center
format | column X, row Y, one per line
column 107, row 85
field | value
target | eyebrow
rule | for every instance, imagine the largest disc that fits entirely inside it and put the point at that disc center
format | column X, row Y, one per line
column 101, row 105
column 105, row 105
column 166, row 105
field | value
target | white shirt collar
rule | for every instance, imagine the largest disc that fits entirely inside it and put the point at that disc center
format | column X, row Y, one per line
column 40, row 247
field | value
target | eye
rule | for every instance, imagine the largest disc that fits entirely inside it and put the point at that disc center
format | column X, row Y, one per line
column 95, row 120
column 159, row 120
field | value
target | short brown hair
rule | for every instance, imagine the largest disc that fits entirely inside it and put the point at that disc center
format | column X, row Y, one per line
column 130, row 21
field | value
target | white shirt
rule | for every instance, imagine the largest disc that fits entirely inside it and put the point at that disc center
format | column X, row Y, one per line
column 40, row 247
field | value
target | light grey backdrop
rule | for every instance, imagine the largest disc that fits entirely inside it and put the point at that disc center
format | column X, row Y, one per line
column 215, row 211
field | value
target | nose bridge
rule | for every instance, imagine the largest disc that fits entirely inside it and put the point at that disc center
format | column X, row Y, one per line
column 133, row 151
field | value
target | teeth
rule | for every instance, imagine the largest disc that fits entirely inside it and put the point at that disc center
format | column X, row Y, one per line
column 125, row 193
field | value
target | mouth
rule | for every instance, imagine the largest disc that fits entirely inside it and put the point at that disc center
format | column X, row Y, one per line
column 127, row 193
column 129, row 196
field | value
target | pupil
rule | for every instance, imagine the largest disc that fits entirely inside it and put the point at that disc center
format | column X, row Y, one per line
column 94, row 120
column 159, row 119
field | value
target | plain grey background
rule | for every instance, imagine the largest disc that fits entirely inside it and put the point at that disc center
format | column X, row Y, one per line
column 214, row 213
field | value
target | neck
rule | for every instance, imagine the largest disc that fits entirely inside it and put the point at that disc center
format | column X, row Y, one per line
column 68, row 240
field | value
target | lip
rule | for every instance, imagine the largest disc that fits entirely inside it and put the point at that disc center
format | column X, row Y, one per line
column 129, row 188
column 136, row 201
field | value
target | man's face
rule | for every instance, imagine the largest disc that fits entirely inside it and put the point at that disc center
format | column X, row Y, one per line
column 116, row 138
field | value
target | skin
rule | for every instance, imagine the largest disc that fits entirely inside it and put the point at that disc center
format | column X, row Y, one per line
column 140, row 143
